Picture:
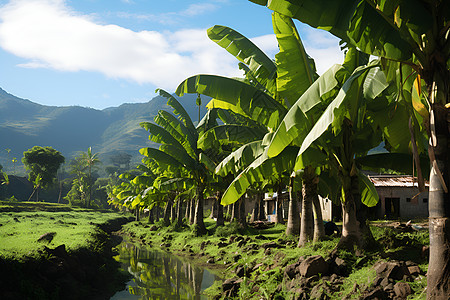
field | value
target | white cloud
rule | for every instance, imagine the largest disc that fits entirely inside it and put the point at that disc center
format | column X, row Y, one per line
column 49, row 34
column 199, row 9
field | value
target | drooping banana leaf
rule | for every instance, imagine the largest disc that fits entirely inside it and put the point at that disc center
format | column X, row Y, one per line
column 164, row 160
column 400, row 162
column 369, row 195
column 350, row 92
column 261, row 169
column 229, row 134
column 253, row 102
column 296, row 70
column 177, row 129
column 240, row 159
column 354, row 21
column 178, row 110
column 261, row 66
column 295, row 124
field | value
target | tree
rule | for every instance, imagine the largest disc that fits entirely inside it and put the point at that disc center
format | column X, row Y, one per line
column 413, row 40
column 42, row 163
column 89, row 160
column 178, row 159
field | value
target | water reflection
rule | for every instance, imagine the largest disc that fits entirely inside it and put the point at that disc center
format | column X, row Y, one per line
column 159, row 275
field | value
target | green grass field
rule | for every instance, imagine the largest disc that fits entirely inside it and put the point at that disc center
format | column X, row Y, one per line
column 21, row 225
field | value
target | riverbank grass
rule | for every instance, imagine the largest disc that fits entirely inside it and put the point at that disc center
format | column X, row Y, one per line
column 22, row 224
column 268, row 251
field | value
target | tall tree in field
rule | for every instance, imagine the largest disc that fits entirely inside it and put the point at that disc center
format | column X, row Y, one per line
column 89, row 160
column 413, row 38
column 42, row 163
column 178, row 154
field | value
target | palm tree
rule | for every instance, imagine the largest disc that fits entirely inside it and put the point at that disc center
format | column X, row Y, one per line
column 89, row 160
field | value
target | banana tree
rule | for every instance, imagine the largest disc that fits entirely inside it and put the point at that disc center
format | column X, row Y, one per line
column 178, row 155
column 258, row 97
column 415, row 34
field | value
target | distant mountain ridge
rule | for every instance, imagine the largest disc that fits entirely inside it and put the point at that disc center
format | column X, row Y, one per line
column 70, row 129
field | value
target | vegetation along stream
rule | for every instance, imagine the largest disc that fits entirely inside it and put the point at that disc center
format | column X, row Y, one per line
column 160, row 275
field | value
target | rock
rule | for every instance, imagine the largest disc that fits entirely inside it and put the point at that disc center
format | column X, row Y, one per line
column 425, row 252
column 260, row 237
column 313, row 265
column 393, row 269
column 230, row 287
column 221, row 244
column 414, row 270
column 47, row 237
column 376, row 294
column 59, row 251
column 271, row 245
column 241, row 243
column 402, row 290
column 237, row 257
column 203, row 245
column 291, row 270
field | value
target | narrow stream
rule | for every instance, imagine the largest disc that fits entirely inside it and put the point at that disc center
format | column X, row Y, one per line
column 160, row 275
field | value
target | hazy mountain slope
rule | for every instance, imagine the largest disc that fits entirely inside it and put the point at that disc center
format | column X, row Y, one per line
column 24, row 124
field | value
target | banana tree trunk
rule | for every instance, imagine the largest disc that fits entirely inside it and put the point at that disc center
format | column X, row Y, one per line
column 309, row 191
column 280, row 219
column 220, row 218
column 355, row 231
column 262, row 213
column 188, row 205
column 319, row 229
column 293, row 221
column 198, row 217
column 151, row 216
column 255, row 211
column 242, row 218
column 192, row 211
column 179, row 212
column 234, row 211
column 167, row 212
column 438, row 276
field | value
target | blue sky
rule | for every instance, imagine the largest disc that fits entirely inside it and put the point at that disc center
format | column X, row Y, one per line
column 102, row 53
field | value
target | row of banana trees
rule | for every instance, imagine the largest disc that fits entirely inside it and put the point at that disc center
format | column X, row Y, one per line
column 284, row 126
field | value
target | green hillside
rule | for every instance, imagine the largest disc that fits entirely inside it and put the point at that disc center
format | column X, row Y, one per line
column 24, row 124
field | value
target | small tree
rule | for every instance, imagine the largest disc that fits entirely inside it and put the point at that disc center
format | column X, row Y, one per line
column 42, row 163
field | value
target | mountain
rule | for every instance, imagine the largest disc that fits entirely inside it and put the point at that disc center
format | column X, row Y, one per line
column 70, row 129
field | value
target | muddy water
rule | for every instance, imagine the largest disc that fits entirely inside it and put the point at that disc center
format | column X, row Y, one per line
column 159, row 275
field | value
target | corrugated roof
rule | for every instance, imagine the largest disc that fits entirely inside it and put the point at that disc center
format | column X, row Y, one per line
column 394, row 181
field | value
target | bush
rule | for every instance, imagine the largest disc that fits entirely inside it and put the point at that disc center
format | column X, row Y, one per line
column 230, row 229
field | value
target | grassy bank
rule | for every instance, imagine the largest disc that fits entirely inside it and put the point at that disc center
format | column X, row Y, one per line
column 51, row 251
column 256, row 262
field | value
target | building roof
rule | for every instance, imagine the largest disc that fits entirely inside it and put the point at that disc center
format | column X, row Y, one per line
column 395, row 181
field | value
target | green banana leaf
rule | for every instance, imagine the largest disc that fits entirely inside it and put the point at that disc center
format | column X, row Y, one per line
column 240, row 159
column 369, row 195
column 177, row 129
column 350, row 92
column 237, row 96
column 229, row 134
column 261, row 169
column 296, row 70
column 179, row 110
column 295, row 124
column 354, row 21
column 261, row 66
